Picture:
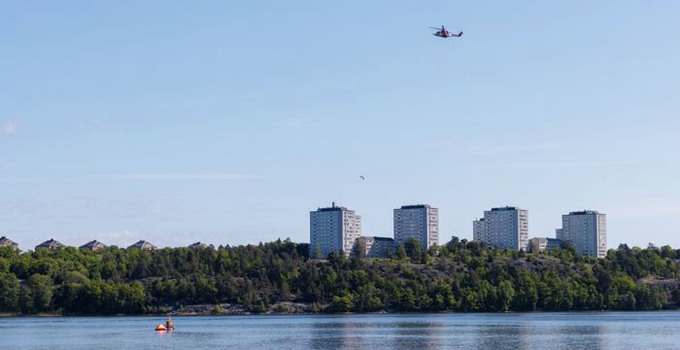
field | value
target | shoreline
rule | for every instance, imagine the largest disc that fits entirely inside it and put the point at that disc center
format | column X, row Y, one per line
column 386, row 313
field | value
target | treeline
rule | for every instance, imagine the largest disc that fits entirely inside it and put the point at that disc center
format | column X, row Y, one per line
column 459, row 276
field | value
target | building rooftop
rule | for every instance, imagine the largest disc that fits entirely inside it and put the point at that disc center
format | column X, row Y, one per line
column 94, row 245
column 415, row 206
column 199, row 245
column 142, row 245
column 504, row 208
column 584, row 212
column 6, row 242
column 333, row 207
column 50, row 244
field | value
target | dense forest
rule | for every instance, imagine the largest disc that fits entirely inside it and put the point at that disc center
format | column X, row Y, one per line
column 459, row 276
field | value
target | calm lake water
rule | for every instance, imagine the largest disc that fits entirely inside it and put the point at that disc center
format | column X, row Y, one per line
column 620, row 330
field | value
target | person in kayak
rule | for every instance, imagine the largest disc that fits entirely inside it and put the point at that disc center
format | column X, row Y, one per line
column 169, row 325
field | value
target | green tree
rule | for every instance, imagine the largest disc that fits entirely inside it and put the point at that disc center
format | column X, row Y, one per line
column 414, row 250
column 400, row 252
column 41, row 289
column 526, row 296
column 506, row 294
column 343, row 303
column 9, row 292
column 26, row 302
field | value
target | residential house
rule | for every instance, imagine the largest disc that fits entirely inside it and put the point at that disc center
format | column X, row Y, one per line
column 50, row 244
column 142, row 245
column 6, row 242
column 93, row 246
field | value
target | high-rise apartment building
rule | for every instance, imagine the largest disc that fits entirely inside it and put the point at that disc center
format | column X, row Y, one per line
column 417, row 221
column 478, row 229
column 333, row 229
column 505, row 227
column 587, row 231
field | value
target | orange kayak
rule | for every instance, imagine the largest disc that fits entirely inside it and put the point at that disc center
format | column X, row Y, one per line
column 161, row 327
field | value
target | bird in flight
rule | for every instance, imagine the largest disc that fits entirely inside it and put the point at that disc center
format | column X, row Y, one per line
column 361, row 177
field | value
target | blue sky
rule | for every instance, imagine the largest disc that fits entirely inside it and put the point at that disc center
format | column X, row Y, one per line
column 226, row 122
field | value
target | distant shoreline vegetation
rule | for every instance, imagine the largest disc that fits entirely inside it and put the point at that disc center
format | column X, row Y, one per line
column 278, row 277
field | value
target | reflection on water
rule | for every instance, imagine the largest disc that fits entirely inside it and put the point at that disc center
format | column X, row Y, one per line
column 347, row 333
column 501, row 336
column 581, row 337
column 538, row 336
column 568, row 331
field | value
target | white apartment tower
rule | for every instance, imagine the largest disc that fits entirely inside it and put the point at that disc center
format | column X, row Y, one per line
column 333, row 229
column 587, row 231
column 417, row 221
column 506, row 227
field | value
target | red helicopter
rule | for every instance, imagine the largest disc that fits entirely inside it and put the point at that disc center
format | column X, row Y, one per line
column 444, row 33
